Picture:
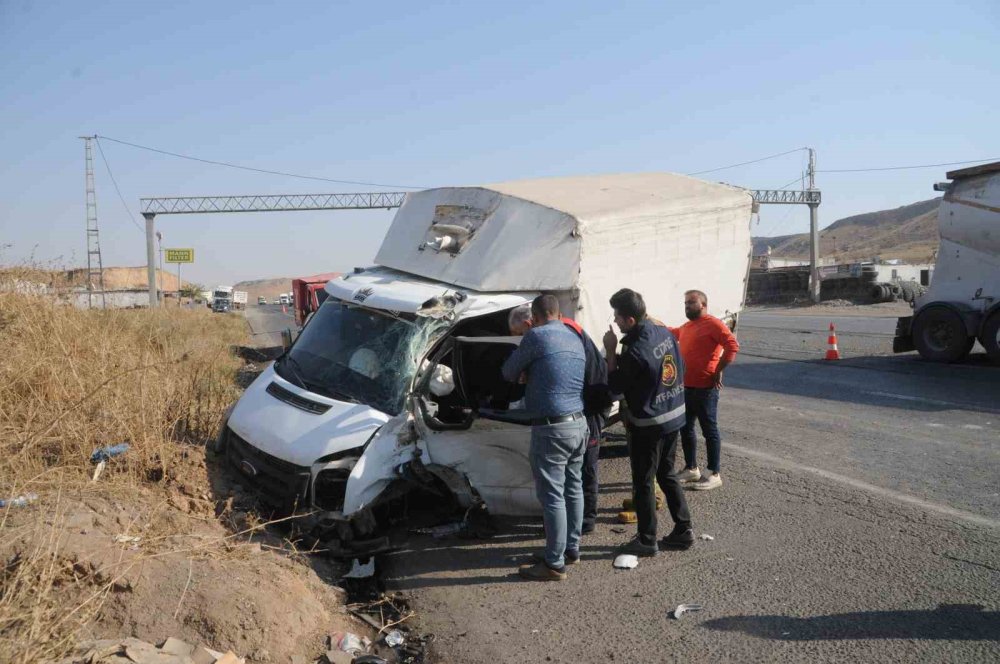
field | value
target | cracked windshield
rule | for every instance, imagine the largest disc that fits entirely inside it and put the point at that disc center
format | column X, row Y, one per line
column 351, row 353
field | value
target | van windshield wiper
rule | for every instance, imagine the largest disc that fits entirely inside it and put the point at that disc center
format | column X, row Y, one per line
column 292, row 363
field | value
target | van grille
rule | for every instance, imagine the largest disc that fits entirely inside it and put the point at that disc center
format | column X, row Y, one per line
column 292, row 399
column 279, row 482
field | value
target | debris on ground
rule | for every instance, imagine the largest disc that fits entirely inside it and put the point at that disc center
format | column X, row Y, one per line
column 19, row 501
column 361, row 571
column 442, row 531
column 109, row 452
column 102, row 455
column 135, row 651
column 626, row 561
column 394, row 641
column 706, row 537
column 685, row 608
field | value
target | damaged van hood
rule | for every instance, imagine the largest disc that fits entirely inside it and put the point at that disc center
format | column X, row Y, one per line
column 395, row 291
column 295, row 435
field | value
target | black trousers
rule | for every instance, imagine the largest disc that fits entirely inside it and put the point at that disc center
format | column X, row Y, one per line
column 652, row 453
column 590, row 484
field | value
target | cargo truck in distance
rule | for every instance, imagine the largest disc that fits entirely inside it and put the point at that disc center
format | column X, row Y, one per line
column 308, row 294
column 963, row 301
column 239, row 299
column 392, row 392
column 222, row 299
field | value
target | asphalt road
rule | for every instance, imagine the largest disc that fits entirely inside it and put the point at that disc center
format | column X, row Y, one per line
column 859, row 519
column 266, row 323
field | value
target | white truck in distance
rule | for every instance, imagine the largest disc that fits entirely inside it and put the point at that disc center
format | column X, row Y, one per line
column 963, row 301
column 239, row 299
column 222, row 298
column 394, row 386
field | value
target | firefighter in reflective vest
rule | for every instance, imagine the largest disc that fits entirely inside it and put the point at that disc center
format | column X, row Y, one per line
column 649, row 373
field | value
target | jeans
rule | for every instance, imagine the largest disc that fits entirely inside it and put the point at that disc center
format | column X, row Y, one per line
column 701, row 404
column 557, row 452
column 591, row 486
column 652, row 453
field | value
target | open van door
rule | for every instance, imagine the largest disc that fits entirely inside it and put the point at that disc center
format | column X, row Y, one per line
column 480, row 428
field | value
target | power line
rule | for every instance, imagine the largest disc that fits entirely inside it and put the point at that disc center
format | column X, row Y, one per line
column 114, row 182
column 903, row 168
column 258, row 170
column 745, row 163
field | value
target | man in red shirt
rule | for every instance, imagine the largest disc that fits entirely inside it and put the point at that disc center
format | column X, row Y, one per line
column 708, row 347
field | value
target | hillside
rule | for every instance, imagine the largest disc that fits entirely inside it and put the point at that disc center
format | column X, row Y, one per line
column 269, row 288
column 115, row 278
column 908, row 233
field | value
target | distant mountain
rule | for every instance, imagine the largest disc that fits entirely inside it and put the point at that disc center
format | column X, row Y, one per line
column 909, row 233
column 269, row 288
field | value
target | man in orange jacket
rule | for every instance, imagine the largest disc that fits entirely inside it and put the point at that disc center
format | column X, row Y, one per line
column 708, row 347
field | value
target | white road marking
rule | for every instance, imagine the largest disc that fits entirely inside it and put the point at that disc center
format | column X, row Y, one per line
column 906, row 397
column 944, row 510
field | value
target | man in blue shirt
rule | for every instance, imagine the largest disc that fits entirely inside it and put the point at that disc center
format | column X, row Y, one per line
column 551, row 360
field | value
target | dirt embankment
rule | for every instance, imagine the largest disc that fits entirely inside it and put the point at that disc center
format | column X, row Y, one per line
column 165, row 542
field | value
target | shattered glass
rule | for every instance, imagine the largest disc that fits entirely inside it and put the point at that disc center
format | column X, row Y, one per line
column 360, row 355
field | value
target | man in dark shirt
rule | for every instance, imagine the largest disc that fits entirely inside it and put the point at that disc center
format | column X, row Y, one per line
column 649, row 373
column 552, row 360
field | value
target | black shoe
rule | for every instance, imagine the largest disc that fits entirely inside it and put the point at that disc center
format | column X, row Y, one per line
column 681, row 537
column 587, row 528
column 637, row 548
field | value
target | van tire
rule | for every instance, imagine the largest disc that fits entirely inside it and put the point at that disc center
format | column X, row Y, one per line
column 990, row 337
column 940, row 336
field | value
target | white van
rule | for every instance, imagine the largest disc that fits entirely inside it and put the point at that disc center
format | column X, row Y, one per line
column 395, row 382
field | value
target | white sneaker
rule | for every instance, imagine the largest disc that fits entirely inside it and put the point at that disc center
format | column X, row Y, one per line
column 708, row 481
column 689, row 475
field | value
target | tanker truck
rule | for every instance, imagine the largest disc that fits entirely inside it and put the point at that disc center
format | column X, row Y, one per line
column 963, row 301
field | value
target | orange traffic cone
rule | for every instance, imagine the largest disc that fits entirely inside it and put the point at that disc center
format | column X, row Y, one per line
column 832, row 353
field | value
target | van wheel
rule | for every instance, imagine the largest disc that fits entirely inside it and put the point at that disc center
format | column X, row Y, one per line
column 990, row 337
column 940, row 336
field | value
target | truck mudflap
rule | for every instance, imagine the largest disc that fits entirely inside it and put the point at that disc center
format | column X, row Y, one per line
column 903, row 341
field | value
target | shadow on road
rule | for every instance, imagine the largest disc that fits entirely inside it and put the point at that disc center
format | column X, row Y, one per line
column 960, row 622
column 875, row 381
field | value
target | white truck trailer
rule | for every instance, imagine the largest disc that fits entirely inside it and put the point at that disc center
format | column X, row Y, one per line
column 239, row 299
column 963, row 301
column 388, row 386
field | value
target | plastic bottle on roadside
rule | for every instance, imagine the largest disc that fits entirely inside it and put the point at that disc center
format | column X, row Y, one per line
column 19, row 501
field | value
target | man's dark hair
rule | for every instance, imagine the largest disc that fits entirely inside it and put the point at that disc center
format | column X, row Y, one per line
column 629, row 304
column 545, row 306
column 701, row 296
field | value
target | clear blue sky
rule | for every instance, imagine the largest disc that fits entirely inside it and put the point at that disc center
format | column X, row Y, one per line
column 429, row 94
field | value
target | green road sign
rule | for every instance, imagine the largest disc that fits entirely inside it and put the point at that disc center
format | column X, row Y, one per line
column 179, row 255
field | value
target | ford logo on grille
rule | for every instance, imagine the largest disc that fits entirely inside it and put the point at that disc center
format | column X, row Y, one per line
column 248, row 469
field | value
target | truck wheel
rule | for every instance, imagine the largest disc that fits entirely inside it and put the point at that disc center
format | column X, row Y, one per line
column 939, row 335
column 990, row 337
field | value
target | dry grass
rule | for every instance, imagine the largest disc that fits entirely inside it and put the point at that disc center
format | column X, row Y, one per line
column 75, row 380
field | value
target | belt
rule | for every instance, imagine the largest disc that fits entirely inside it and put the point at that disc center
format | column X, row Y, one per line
column 541, row 421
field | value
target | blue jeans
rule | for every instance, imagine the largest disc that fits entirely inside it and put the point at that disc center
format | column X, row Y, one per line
column 557, row 465
column 701, row 404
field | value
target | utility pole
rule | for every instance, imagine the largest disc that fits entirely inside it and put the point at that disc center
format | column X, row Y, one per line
column 151, row 258
column 95, row 274
column 159, row 244
column 814, row 293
